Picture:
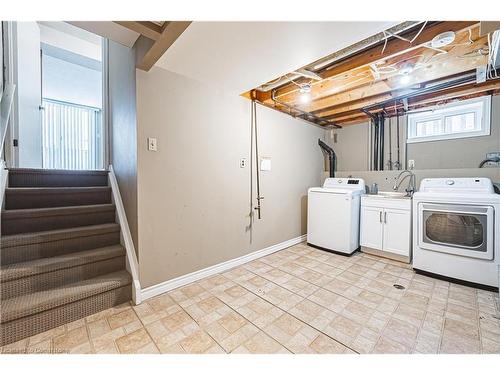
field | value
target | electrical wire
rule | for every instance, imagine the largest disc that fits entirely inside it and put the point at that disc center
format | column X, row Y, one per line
column 419, row 32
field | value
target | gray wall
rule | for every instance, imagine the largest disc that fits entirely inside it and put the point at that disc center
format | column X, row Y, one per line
column 352, row 146
column 193, row 197
column 123, row 128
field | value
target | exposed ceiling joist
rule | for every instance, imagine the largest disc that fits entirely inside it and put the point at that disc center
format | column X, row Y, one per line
column 421, row 64
column 393, row 48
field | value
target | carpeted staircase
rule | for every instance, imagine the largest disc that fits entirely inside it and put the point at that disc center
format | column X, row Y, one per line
column 60, row 254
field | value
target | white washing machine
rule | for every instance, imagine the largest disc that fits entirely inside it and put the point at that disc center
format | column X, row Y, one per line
column 333, row 214
column 456, row 229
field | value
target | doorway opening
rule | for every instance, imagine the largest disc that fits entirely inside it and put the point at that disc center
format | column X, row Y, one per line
column 64, row 77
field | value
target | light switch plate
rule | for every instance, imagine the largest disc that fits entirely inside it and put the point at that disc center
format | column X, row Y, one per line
column 265, row 164
column 411, row 164
column 152, row 144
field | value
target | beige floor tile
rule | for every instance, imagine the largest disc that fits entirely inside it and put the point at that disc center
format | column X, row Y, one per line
column 401, row 332
column 262, row 344
column 85, row 348
column 237, row 338
column 158, row 303
column 461, row 329
column 98, row 328
column 109, row 348
column 42, row 347
column 198, row 342
column 122, row 318
column 427, row 343
column 173, row 349
column 409, row 314
column 490, row 346
column 387, row 346
column 50, row 334
column 300, row 300
column 71, row 339
column 454, row 343
column 148, row 349
column 176, row 320
column 323, row 344
column 134, row 341
column 343, row 329
column 232, row 321
column 105, row 341
column 365, row 342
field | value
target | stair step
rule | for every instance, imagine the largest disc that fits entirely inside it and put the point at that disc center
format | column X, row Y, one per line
column 21, row 198
column 37, row 312
column 43, row 219
column 29, row 246
column 33, row 276
column 25, row 177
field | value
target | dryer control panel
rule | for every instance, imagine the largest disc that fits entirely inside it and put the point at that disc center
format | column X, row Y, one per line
column 468, row 185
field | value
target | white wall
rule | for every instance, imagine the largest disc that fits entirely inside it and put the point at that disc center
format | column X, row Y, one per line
column 123, row 127
column 27, row 79
column 73, row 83
column 193, row 197
column 89, row 47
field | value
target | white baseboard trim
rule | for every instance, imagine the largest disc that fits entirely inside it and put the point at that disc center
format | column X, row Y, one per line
column 168, row 285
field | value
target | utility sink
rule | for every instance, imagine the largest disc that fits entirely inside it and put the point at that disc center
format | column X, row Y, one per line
column 389, row 195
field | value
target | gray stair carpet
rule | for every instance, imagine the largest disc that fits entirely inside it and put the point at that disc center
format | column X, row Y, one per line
column 61, row 257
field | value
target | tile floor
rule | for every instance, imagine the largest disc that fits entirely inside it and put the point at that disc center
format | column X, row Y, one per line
column 298, row 300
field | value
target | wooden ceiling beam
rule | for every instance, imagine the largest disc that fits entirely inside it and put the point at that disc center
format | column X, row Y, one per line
column 462, row 92
column 170, row 32
column 146, row 28
column 393, row 48
column 433, row 67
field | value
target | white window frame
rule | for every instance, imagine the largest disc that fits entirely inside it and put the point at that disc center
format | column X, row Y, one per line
column 441, row 112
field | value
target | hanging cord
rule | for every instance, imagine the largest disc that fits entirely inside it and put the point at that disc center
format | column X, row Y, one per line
column 257, row 174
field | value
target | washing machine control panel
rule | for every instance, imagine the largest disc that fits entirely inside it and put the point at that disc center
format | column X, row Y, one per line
column 345, row 183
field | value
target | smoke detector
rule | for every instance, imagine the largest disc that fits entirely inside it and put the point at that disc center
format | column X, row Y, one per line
column 443, row 39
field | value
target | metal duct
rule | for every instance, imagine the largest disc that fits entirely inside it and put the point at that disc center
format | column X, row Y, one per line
column 332, row 158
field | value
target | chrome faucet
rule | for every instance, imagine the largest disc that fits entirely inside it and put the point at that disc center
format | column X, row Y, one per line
column 410, row 189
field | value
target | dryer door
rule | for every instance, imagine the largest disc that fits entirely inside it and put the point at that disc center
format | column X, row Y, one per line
column 464, row 230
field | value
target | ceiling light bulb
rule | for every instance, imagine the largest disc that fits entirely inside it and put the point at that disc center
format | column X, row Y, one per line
column 405, row 79
column 305, row 97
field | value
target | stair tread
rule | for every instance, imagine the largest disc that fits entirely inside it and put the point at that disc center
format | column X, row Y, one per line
column 55, row 211
column 56, row 234
column 55, row 189
column 16, row 271
column 59, row 171
column 29, row 304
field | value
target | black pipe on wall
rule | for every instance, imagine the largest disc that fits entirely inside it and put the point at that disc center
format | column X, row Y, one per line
column 381, row 120
column 332, row 157
column 375, row 143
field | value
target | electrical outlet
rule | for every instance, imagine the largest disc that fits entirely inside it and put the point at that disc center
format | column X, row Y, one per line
column 243, row 162
column 411, row 164
column 492, row 155
column 152, row 144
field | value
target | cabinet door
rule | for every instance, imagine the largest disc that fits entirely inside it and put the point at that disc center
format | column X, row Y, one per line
column 397, row 224
column 371, row 227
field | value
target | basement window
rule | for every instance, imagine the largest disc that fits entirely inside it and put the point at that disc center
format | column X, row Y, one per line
column 464, row 119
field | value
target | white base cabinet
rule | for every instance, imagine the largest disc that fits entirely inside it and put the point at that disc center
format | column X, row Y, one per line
column 385, row 227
